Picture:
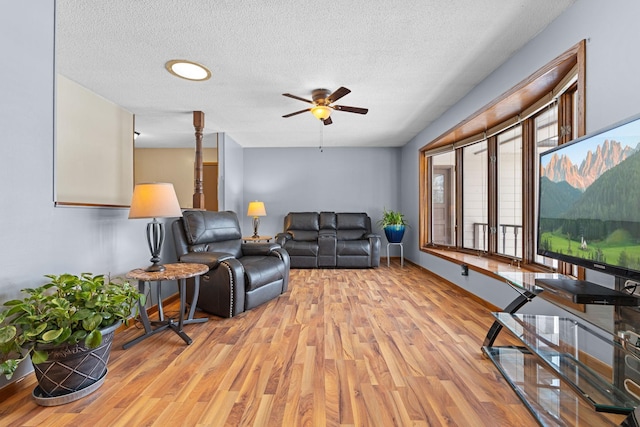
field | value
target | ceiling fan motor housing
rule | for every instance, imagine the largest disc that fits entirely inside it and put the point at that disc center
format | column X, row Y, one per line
column 320, row 96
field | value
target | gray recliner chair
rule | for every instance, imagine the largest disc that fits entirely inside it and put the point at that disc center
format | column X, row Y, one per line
column 241, row 275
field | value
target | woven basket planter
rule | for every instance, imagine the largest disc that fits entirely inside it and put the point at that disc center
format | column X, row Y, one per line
column 72, row 368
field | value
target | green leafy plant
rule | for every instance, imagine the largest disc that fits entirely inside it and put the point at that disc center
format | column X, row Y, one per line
column 391, row 218
column 67, row 310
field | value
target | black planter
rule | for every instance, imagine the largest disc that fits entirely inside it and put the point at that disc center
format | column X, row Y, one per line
column 394, row 233
column 72, row 368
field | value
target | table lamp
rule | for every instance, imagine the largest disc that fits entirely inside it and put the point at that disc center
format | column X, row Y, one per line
column 154, row 200
column 256, row 210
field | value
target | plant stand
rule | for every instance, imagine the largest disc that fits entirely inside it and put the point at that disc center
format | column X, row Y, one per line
column 401, row 253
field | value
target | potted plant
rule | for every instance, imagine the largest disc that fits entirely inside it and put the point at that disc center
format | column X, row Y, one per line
column 393, row 224
column 66, row 324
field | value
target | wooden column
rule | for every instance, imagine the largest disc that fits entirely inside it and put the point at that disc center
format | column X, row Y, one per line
column 198, row 195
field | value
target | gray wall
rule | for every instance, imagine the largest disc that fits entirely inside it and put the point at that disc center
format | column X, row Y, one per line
column 307, row 179
column 38, row 238
column 612, row 91
column 230, row 169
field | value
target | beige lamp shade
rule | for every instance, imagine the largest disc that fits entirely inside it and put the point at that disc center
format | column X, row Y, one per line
column 256, row 209
column 154, row 200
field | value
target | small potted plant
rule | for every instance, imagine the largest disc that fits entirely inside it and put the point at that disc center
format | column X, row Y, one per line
column 393, row 224
column 59, row 323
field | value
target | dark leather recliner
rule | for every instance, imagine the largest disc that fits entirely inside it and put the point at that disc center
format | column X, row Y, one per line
column 241, row 275
column 330, row 240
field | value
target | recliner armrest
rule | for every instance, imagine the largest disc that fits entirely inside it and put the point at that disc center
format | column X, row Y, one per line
column 249, row 249
column 211, row 259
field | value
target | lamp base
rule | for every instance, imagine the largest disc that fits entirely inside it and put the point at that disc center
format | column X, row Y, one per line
column 154, row 268
column 155, row 237
column 256, row 223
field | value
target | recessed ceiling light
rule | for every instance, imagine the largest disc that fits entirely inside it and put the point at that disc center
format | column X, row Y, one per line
column 188, row 70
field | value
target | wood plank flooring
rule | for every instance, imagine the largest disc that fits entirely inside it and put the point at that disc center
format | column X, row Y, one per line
column 389, row 346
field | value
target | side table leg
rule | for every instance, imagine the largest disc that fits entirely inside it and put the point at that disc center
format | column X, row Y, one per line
column 143, row 311
column 178, row 329
column 194, row 300
column 160, row 308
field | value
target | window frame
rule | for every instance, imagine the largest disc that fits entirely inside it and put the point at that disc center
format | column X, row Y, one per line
column 562, row 80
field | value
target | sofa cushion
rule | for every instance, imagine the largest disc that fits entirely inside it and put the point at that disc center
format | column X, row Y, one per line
column 353, row 247
column 208, row 226
column 351, row 235
column 297, row 248
column 328, row 221
column 301, row 221
column 352, row 226
column 348, row 221
column 304, row 235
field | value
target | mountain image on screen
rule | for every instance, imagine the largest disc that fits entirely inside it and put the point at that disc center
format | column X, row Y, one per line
column 607, row 155
column 592, row 189
column 590, row 203
column 614, row 196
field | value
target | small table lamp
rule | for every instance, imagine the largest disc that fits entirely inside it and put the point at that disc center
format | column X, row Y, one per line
column 256, row 210
column 154, row 200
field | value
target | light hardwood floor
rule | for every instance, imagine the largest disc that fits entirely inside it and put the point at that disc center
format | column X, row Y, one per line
column 376, row 347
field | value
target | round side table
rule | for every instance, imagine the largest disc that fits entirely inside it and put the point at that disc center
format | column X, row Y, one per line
column 180, row 272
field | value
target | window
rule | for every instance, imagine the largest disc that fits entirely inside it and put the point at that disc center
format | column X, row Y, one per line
column 475, row 218
column 546, row 137
column 479, row 179
column 509, row 167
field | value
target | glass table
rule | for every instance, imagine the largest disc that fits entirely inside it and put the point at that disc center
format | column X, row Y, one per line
column 525, row 284
column 565, row 371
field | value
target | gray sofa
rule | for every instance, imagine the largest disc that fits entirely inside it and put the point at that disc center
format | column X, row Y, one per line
column 329, row 240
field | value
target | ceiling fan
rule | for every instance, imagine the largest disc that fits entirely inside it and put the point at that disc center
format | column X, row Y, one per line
column 322, row 101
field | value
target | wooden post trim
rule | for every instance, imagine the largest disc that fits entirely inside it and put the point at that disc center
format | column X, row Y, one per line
column 198, row 194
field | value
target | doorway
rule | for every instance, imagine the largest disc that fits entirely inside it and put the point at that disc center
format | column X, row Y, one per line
column 441, row 197
column 210, row 185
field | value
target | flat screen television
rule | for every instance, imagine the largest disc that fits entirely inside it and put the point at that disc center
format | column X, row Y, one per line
column 589, row 201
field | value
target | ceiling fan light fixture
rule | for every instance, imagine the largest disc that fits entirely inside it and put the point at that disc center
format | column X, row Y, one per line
column 188, row 70
column 321, row 112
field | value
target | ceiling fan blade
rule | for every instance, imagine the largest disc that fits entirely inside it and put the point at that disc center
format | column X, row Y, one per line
column 327, row 121
column 339, row 93
column 351, row 109
column 297, row 97
column 297, row 112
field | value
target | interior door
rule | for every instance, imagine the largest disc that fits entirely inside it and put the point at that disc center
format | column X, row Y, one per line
column 210, row 185
column 441, row 205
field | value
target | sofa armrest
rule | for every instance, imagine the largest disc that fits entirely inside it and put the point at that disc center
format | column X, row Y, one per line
column 282, row 238
column 375, row 242
column 211, row 259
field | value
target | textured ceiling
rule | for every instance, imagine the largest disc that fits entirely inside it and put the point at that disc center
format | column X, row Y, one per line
column 406, row 61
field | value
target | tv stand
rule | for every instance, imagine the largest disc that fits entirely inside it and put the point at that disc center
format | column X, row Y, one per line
column 554, row 371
